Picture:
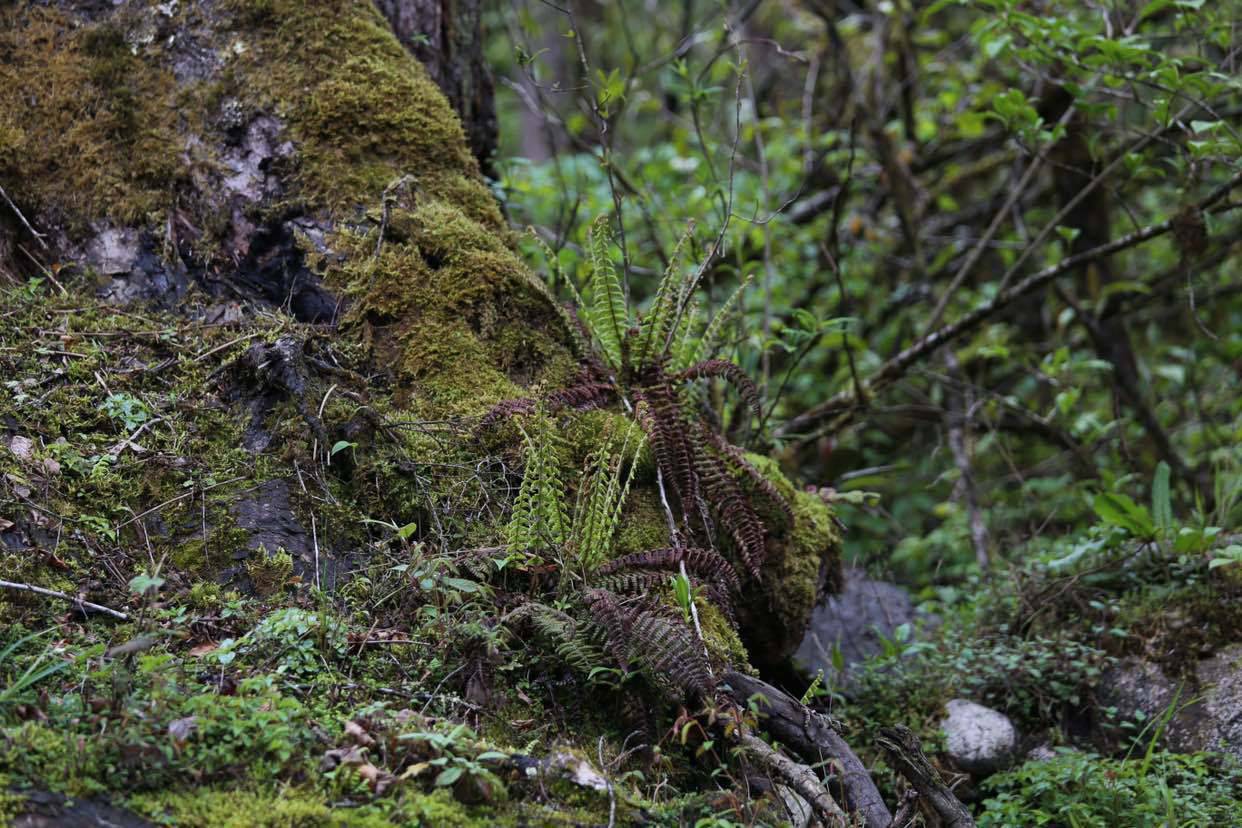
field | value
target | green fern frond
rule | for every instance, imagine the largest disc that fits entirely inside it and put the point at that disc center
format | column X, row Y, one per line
column 697, row 350
column 607, row 313
column 560, row 632
column 539, row 518
column 669, row 296
column 601, row 497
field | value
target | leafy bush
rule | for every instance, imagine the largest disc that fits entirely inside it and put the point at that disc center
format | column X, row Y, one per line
column 1087, row 791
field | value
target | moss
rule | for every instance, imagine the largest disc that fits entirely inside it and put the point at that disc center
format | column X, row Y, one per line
column 10, row 803
column 361, row 110
column 270, row 572
column 452, row 313
column 643, row 524
column 88, row 121
column 721, row 638
column 240, row 808
column 804, row 560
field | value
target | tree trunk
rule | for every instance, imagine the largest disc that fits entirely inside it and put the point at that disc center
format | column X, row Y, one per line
column 447, row 36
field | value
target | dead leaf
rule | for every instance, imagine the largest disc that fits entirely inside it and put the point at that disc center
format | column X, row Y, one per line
column 356, row 732
column 204, row 648
column 23, row 447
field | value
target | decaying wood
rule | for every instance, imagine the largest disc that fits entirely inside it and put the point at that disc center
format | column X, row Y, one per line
column 799, row 777
column 906, row 755
column 811, row 736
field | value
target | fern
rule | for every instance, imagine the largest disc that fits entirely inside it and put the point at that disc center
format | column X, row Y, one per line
column 729, row 371
column 704, row 564
column 599, row 509
column 607, row 313
column 663, row 647
column 670, row 651
column 655, row 328
column 561, row 631
column 539, row 518
column 691, row 350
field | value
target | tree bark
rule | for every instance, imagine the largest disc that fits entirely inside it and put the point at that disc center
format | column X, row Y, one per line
column 447, row 37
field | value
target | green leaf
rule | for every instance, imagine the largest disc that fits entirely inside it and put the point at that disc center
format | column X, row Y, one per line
column 448, row 776
column 143, row 584
column 341, row 445
column 490, row 756
column 1161, row 500
column 1119, row 510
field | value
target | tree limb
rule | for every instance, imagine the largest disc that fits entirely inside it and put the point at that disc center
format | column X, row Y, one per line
column 51, row 593
column 799, row 777
column 906, row 755
column 847, row 401
column 811, row 736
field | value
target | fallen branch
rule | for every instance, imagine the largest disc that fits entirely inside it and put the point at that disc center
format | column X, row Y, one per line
column 37, row 235
column 907, row 810
column 905, row 754
column 51, row 593
column 811, row 736
column 799, row 777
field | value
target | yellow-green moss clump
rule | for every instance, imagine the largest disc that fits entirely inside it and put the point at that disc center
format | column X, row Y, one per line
column 442, row 299
column 111, row 118
column 88, row 129
column 803, row 561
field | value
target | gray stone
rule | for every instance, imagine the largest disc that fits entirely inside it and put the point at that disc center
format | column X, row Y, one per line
column 854, row 621
column 1220, row 683
column 113, row 251
column 1208, row 711
column 978, row 739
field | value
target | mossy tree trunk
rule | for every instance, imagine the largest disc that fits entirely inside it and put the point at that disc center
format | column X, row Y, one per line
column 288, row 185
column 447, row 36
column 261, row 298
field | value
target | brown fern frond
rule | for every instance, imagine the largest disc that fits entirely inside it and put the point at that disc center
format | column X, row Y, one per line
column 732, row 507
column 736, row 459
column 730, row 372
column 631, row 583
column 706, row 564
column 582, row 397
column 665, row 424
column 646, row 583
column 669, row 650
column 504, row 410
column 615, row 621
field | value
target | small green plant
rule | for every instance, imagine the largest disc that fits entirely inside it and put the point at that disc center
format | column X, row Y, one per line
column 292, row 640
column 126, row 409
column 17, row 683
column 1082, row 789
column 270, row 572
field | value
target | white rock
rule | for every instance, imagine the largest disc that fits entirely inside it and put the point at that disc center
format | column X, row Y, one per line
column 978, row 739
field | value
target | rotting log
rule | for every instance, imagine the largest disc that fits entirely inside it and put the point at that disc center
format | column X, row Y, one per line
column 905, row 753
column 811, row 735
